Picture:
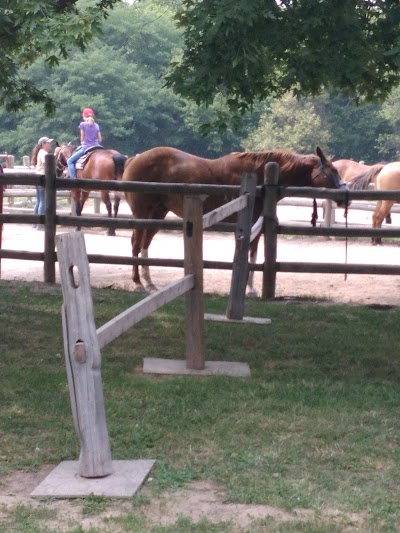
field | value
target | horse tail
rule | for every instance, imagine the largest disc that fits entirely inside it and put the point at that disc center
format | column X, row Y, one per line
column 362, row 180
column 119, row 165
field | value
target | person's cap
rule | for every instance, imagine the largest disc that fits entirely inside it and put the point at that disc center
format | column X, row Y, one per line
column 87, row 112
column 43, row 140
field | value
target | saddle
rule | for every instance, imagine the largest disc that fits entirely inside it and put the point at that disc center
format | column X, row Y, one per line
column 88, row 152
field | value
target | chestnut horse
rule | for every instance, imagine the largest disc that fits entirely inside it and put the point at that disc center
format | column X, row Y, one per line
column 385, row 178
column 101, row 164
column 348, row 168
column 169, row 165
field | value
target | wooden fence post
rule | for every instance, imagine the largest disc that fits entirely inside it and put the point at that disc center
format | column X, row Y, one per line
column 96, row 205
column 83, row 358
column 193, row 264
column 270, row 229
column 49, row 265
column 240, row 271
column 329, row 213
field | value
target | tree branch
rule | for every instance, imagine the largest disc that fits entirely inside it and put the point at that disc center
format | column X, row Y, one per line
column 64, row 5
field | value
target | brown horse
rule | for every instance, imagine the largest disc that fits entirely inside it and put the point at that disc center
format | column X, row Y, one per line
column 101, row 164
column 168, row 165
column 349, row 169
column 385, row 178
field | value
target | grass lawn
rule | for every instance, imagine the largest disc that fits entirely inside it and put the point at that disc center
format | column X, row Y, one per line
column 315, row 427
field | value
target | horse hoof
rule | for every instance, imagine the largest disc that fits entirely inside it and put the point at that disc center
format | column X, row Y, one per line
column 139, row 288
column 151, row 288
column 111, row 233
column 252, row 293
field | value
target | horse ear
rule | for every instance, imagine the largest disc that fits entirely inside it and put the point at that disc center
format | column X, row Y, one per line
column 57, row 145
column 320, row 154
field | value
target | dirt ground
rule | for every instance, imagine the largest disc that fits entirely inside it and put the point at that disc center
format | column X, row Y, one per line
column 203, row 500
column 354, row 289
column 200, row 500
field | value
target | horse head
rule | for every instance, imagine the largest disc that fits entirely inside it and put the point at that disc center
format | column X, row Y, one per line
column 62, row 153
column 328, row 176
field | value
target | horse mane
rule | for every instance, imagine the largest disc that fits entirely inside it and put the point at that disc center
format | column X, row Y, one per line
column 362, row 180
column 288, row 160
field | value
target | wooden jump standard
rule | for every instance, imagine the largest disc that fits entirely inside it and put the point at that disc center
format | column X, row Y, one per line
column 246, row 233
column 95, row 473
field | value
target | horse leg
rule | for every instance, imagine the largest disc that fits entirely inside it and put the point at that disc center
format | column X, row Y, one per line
column 141, row 240
column 117, row 200
column 145, row 271
column 382, row 209
column 76, row 207
column 251, row 290
column 105, row 196
column 159, row 213
column 136, row 247
column 83, row 195
column 139, row 236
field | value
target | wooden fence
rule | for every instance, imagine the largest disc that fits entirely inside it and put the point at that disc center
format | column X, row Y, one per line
column 82, row 343
column 269, row 266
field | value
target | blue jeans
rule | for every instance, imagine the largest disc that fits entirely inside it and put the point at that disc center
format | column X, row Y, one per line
column 72, row 160
column 40, row 206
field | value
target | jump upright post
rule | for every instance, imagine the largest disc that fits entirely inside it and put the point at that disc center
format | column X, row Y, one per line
column 240, row 271
column 95, row 473
column 244, row 206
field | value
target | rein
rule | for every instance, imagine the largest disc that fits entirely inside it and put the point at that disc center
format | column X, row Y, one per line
column 346, row 211
column 314, row 216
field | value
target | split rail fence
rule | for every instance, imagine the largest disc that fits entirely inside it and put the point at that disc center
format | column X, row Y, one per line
column 270, row 192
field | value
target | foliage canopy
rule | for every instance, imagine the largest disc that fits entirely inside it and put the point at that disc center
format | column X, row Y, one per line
column 49, row 29
column 245, row 50
column 250, row 49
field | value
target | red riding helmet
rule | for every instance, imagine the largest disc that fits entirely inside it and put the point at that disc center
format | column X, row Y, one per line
column 87, row 112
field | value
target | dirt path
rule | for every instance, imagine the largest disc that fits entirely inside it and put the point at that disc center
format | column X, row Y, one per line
column 356, row 289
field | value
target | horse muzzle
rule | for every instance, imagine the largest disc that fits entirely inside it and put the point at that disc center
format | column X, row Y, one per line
column 346, row 201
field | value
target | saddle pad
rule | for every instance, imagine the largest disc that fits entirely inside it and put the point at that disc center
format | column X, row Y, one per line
column 82, row 160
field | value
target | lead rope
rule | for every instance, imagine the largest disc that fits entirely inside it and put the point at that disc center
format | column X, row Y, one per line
column 314, row 216
column 346, row 211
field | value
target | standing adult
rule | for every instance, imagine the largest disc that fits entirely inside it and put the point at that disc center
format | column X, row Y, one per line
column 38, row 160
column 90, row 135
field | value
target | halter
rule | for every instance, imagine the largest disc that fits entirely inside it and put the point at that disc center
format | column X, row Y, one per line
column 327, row 176
column 342, row 184
column 61, row 161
